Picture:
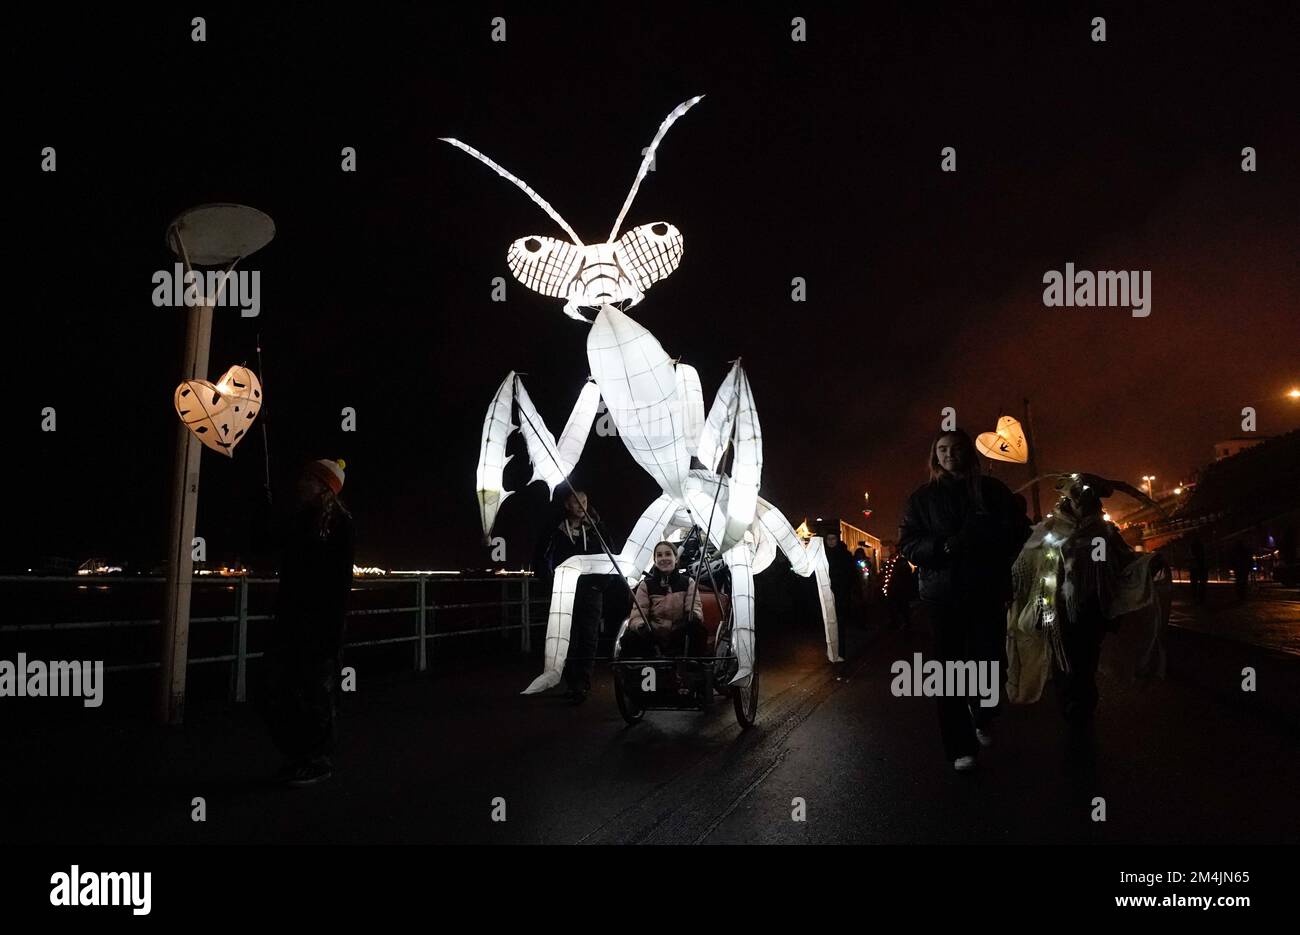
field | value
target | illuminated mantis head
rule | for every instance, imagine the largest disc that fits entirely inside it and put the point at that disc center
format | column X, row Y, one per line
column 591, row 275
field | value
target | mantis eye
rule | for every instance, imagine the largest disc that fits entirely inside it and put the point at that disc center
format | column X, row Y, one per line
column 544, row 264
column 652, row 252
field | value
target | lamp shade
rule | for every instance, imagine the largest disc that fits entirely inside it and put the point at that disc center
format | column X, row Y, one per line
column 1006, row 444
column 220, row 415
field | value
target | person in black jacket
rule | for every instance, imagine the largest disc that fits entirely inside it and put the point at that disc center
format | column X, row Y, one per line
column 307, row 635
column 963, row 531
column 579, row 532
column 846, row 577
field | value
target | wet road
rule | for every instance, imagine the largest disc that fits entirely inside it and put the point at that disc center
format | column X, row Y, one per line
column 422, row 760
column 1270, row 616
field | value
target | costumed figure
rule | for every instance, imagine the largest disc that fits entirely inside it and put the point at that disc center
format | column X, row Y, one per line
column 657, row 405
column 1075, row 580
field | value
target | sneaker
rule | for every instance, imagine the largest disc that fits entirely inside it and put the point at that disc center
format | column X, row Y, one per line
column 309, row 774
column 984, row 737
column 963, row 764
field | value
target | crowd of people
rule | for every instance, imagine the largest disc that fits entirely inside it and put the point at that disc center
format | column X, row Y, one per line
column 960, row 535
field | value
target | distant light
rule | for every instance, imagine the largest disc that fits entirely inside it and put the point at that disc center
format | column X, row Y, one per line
column 1294, row 393
column 1177, row 491
column 1106, row 517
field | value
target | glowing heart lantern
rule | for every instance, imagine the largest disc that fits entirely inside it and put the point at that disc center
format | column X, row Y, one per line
column 221, row 415
column 1006, row 444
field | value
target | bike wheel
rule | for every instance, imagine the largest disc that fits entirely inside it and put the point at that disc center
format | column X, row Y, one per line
column 746, row 700
column 628, row 698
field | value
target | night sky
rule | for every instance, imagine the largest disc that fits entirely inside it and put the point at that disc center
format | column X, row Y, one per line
column 818, row 159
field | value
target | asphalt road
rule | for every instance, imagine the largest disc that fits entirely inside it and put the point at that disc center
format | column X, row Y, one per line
column 423, row 758
column 1269, row 616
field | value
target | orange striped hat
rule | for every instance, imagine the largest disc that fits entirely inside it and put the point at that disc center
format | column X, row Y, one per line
column 331, row 472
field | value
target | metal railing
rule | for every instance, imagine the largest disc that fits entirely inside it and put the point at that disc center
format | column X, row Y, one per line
column 424, row 611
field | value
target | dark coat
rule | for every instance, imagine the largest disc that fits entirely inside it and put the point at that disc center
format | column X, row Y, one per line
column 902, row 583
column 315, row 581
column 845, row 573
column 985, row 539
column 555, row 546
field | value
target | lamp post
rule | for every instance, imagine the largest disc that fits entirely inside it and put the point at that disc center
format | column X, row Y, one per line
column 1147, row 479
column 212, row 235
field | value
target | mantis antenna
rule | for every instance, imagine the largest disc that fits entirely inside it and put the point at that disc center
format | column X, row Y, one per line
column 527, row 189
column 649, row 158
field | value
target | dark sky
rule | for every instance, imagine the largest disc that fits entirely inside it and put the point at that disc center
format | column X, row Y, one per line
column 817, row 159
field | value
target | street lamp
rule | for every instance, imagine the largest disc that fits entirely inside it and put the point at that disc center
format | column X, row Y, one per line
column 1147, row 479
column 212, row 235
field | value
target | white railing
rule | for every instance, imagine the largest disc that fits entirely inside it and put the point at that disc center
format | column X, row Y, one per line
column 516, row 592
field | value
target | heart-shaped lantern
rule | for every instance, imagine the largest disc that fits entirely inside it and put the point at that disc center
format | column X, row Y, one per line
column 220, row 415
column 1006, row 444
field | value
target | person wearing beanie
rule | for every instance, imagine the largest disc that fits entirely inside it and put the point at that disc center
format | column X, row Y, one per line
column 307, row 633
column 328, row 472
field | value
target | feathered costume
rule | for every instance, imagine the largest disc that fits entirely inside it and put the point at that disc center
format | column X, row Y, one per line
column 1061, row 577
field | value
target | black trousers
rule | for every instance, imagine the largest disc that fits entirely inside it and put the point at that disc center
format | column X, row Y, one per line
column 845, row 615
column 584, row 634
column 965, row 632
column 302, row 702
column 1242, row 582
column 1076, row 690
column 900, row 611
column 688, row 639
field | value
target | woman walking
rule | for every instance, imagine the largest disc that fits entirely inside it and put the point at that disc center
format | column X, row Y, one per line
column 963, row 530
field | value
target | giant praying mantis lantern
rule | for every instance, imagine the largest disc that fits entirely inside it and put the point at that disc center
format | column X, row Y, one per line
column 657, row 405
